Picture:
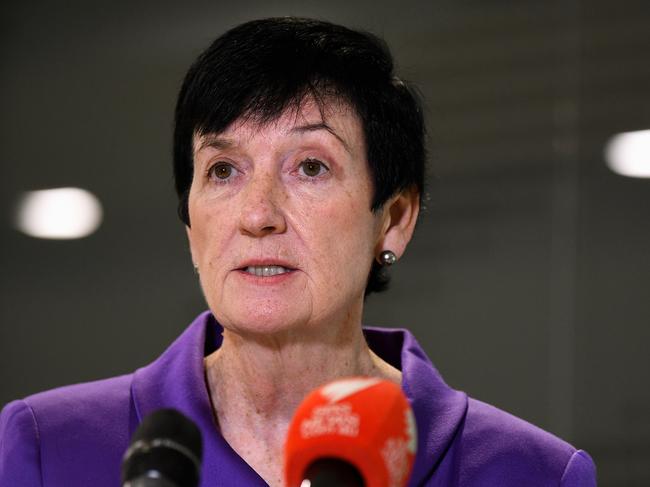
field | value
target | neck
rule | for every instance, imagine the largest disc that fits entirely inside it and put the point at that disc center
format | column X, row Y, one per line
column 256, row 383
column 273, row 376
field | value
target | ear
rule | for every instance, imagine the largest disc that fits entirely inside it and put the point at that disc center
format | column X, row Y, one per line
column 398, row 222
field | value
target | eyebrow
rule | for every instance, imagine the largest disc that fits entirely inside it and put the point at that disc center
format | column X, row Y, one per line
column 312, row 127
column 214, row 141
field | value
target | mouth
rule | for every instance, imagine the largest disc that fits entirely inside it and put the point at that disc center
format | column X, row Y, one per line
column 266, row 270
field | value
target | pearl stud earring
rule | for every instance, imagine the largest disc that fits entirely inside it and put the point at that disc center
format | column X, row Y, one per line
column 387, row 258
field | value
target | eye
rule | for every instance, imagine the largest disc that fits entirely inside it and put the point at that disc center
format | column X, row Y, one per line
column 221, row 171
column 312, row 168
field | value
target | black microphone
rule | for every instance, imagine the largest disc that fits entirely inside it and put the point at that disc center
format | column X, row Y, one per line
column 165, row 451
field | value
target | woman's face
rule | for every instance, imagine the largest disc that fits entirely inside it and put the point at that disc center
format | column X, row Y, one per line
column 281, row 227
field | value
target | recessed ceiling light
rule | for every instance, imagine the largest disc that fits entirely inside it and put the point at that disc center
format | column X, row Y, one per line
column 628, row 154
column 61, row 213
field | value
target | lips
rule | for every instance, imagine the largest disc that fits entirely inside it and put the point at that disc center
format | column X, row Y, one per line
column 266, row 268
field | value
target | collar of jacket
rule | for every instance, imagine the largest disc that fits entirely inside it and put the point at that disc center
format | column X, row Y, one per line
column 177, row 379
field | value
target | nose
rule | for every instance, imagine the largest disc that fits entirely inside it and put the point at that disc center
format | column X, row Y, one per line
column 262, row 211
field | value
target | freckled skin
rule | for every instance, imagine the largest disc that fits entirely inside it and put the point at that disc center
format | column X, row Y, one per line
column 323, row 225
column 286, row 335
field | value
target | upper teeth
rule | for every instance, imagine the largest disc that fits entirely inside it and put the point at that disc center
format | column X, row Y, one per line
column 266, row 270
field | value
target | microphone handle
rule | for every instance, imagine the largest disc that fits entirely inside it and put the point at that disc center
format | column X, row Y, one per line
column 332, row 472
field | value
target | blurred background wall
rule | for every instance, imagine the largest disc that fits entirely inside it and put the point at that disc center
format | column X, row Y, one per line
column 528, row 281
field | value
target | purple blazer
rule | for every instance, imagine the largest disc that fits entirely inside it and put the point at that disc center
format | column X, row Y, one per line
column 75, row 436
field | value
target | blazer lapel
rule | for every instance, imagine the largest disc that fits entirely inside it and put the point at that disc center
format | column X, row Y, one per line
column 439, row 410
column 177, row 380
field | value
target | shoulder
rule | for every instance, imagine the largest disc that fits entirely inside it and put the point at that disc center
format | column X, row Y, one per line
column 88, row 399
column 485, row 423
column 79, row 430
column 501, row 449
column 90, row 408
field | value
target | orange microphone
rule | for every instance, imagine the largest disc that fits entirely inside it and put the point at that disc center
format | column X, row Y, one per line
column 351, row 432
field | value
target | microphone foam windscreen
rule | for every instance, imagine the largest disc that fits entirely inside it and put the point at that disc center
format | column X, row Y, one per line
column 366, row 422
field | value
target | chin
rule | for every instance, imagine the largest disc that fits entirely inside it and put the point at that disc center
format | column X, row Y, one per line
column 264, row 317
column 266, row 309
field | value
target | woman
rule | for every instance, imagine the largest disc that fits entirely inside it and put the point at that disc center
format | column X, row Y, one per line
column 299, row 164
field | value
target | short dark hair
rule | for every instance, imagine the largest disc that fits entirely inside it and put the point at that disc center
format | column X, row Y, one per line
column 261, row 68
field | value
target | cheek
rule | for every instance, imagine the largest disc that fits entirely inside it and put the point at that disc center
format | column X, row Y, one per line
column 344, row 231
column 207, row 235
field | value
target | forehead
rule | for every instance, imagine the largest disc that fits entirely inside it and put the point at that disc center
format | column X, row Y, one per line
column 332, row 115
